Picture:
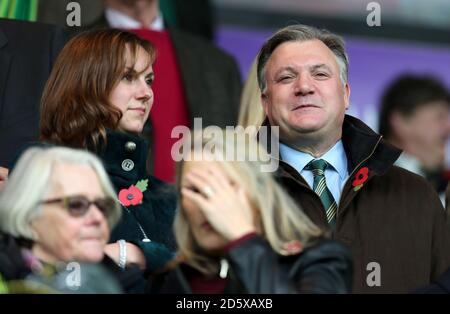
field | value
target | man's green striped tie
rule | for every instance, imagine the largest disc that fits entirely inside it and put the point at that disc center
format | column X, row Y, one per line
column 318, row 167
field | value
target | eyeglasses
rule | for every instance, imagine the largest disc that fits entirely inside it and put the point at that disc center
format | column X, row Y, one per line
column 78, row 205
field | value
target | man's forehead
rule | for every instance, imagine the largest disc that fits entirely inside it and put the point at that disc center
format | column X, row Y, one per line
column 295, row 53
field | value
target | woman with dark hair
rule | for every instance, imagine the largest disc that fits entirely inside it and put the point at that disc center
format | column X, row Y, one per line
column 98, row 97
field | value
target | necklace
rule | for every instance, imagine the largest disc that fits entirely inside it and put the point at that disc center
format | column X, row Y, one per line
column 145, row 239
column 133, row 196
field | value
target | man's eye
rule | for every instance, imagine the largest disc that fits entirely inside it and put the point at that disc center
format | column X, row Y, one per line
column 285, row 79
column 321, row 74
column 149, row 81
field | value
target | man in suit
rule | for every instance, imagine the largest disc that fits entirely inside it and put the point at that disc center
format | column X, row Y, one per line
column 27, row 52
column 193, row 78
column 341, row 172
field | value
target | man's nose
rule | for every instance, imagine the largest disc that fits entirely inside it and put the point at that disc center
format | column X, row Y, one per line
column 304, row 85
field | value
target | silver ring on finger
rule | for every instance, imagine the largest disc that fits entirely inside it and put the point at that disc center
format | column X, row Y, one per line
column 208, row 191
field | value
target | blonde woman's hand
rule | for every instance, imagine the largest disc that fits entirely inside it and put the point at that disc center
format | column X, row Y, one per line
column 224, row 203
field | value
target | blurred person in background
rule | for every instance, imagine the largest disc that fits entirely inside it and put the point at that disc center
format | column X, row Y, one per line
column 196, row 79
column 98, row 97
column 415, row 116
column 238, row 232
column 66, row 216
column 27, row 53
column 193, row 16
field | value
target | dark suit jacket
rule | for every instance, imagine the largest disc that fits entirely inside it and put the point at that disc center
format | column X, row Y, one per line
column 27, row 52
column 255, row 268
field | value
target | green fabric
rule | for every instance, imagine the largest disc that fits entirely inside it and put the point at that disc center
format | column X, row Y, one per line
column 318, row 167
column 169, row 12
column 19, row 9
column 33, row 10
column 3, row 286
column 4, row 5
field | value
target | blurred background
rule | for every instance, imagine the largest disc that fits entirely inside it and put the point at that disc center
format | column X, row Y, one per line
column 414, row 35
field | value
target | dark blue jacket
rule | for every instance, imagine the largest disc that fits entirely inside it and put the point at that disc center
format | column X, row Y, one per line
column 256, row 268
column 156, row 212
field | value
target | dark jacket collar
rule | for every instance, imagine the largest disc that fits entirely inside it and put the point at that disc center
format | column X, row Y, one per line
column 362, row 146
column 114, row 153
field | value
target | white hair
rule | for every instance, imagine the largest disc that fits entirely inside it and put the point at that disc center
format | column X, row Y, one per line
column 29, row 183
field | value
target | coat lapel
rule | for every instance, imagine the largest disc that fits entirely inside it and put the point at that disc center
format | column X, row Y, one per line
column 364, row 148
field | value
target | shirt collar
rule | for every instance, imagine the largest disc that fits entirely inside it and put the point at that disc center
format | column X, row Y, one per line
column 336, row 157
column 117, row 19
column 410, row 163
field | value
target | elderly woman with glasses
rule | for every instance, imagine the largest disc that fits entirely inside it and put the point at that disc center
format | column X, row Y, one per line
column 57, row 207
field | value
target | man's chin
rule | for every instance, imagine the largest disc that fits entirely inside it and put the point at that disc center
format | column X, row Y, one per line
column 306, row 123
column 306, row 128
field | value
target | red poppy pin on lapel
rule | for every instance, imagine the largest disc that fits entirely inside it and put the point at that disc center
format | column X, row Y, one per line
column 360, row 178
column 134, row 194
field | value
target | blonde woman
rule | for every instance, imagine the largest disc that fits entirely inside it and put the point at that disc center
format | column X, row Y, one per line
column 238, row 232
column 251, row 112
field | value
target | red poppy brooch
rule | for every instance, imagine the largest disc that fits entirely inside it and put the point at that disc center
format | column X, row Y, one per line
column 360, row 178
column 134, row 194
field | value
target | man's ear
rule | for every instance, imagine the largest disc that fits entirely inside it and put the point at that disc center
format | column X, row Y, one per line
column 265, row 103
column 347, row 95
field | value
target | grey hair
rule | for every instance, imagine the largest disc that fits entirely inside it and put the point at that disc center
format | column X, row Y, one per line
column 301, row 32
column 30, row 181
